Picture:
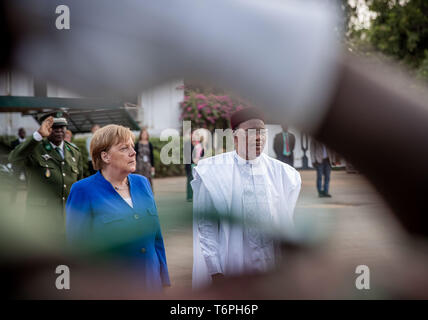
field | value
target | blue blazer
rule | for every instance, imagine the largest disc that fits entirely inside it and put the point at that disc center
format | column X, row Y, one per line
column 99, row 220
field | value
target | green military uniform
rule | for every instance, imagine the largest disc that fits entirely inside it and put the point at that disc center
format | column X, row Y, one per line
column 49, row 180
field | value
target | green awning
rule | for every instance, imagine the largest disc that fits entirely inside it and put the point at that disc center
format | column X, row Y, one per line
column 25, row 103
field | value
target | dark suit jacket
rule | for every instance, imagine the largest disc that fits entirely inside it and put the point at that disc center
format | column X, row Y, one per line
column 14, row 143
column 278, row 144
column 152, row 160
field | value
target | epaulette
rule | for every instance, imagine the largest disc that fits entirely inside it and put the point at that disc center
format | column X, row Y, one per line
column 71, row 145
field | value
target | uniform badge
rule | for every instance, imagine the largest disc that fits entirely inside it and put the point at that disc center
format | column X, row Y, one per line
column 46, row 157
column 47, row 173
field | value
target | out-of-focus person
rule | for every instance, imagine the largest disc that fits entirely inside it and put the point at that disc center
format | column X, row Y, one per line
column 247, row 186
column 91, row 169
column 322, row 158
column 21, row 138
column 283, row 145
column 18, row 171
column 197, row 152
column 68, row 136
column 52, row 166
column 114, row 210
column 145, row 159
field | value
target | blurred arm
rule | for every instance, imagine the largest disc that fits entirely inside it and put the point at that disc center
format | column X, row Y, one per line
column 379, row 121
column 20, row 154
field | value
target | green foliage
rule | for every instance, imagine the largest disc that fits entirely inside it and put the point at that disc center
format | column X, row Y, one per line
column 423, row 68
column 209, row 111
column 163, row 170
column 399, row 30
column 81, row 144
column 5, row 147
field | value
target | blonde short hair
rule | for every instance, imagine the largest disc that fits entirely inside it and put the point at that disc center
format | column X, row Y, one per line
column 106, row 137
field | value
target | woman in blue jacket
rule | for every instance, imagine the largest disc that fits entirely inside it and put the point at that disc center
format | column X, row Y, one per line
column 114, row 212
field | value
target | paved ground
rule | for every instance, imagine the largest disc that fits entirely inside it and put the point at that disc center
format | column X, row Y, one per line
column 353, row 225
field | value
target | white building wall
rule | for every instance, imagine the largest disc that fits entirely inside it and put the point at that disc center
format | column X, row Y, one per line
column 16, row 84
column 298, row 153
column 58, row 92
column 160, row 107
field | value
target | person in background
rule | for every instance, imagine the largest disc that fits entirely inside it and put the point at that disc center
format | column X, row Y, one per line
column 197, row 151
column 94, row 128
column 21, row 138
column 114, row 212
column 68, row 136
column 322, row 158
column 19, row 171
column 283, row 145
column 145, row 159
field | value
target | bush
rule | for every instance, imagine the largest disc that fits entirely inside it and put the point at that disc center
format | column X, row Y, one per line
column 208, row 110
column 5, row 147
column 162, row 170
column 81, row 144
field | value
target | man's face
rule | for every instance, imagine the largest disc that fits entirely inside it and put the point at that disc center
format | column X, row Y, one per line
column 57, row 135
column 21, row 133
column 250, row 138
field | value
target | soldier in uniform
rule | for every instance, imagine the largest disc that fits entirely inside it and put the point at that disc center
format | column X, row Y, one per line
column 52, row 166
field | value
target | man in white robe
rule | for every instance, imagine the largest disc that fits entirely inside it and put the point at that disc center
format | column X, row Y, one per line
column 240, row 198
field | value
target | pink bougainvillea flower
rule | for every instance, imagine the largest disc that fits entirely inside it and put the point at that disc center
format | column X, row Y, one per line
column 201, row 106
column 199, row 115
column 189, row 108
column 201, row 96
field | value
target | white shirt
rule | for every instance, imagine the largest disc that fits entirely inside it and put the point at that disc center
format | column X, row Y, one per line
column 259, row 194
column 129, row 201
column 88, row 146
column 324, row 152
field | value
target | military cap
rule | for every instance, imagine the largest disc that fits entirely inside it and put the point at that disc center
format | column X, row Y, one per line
column 59, row 118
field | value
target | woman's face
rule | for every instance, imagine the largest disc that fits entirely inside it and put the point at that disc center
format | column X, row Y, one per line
column 121, row 157
column 144, row 135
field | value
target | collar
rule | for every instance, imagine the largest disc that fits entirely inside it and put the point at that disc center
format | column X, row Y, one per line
column 61, row 146
column 241, row 161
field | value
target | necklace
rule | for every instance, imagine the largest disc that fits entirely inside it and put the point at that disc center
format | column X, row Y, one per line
column 123, row 188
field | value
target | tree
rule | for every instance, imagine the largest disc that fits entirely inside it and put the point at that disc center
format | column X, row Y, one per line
column 399, row 29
